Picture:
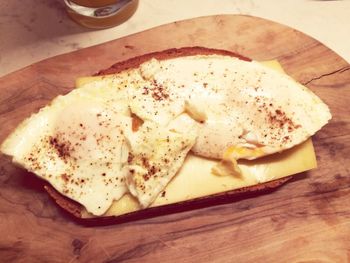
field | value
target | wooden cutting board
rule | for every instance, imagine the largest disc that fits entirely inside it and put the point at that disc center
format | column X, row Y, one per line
column 306, row 220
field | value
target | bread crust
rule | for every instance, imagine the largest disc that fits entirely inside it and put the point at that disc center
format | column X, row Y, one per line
column 167, row 54
column 76, row 209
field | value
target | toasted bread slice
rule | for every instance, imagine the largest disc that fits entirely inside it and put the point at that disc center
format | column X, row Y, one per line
column 79, row 211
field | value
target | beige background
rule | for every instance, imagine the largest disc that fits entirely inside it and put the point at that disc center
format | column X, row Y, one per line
column 32, row 30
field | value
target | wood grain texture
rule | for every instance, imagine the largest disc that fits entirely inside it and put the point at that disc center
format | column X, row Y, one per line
column 306, row 220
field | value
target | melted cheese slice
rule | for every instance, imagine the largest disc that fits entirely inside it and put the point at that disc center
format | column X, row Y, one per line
column 196, row 180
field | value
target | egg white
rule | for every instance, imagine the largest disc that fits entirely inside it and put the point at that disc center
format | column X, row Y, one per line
column 245, row 107
column 76, row 144
column 158, row 153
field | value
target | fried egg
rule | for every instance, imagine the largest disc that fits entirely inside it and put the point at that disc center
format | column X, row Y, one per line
column 246, row 109
column 77, row 145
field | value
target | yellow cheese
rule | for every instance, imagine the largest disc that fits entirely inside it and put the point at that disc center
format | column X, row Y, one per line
column 84, row 80
column 195, row 178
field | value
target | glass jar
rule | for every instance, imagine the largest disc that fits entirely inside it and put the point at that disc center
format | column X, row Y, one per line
column 100, row 14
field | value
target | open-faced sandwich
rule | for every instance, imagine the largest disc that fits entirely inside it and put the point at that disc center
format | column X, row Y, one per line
column 167, row 128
